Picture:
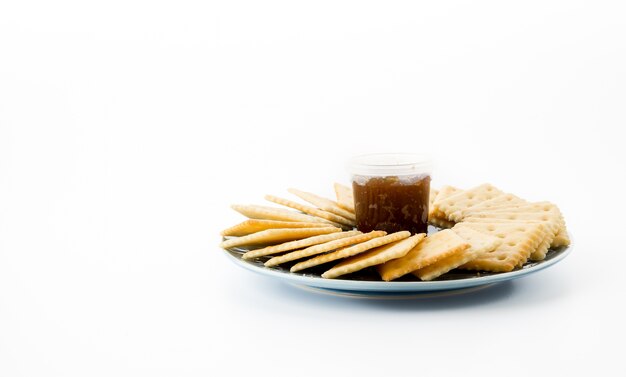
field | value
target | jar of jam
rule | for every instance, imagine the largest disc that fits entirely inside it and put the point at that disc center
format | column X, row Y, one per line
column 391, row 191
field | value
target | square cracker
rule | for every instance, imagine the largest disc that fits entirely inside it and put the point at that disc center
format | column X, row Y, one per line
column 451, row 205
column 374, row 257
column 323, row 203
column 561, row 238
column 551, row 220
column 442, row 194
column 324, row 247
column 253, row 225
column 274, row 236
column 480, row 243
column 519, row 240
column 542, row 249
column 335, row 219
column 297, row 244
column 345, row 196
column 432, row 249
column 431, row 198
column 500, row 201
column 350, row 251
column 279, row 214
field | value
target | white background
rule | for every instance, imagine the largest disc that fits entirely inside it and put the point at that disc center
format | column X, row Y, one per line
column 127, row 128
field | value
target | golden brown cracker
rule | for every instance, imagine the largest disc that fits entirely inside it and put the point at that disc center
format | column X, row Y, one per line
column 323, row 203
column 374, row 257
column 442, row 194
column 480, row 243
column 350, row 251
column 561, row 238
column 253, row 225
column 550, row 220
column 274, row 236
column 432, row 249
column 279, row 214
column 451, row 206
column 325, row 247
column 345, row 197
column 310, row 210
column 500, row 201
column 519, row 240
column 297, row 244
column 431, row 198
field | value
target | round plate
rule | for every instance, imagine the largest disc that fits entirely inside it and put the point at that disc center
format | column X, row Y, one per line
column 367, row 282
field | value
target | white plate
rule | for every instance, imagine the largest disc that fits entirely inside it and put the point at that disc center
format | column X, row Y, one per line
column 367, row 283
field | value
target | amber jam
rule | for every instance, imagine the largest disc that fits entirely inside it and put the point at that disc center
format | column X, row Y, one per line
column 391, row 203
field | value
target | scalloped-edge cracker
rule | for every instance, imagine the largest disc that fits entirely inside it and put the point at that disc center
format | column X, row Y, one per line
column 345, row 197
column 297, row 244
column 451, row 205
column 480, row 243
column 350, row 251
column 374, row 257
column 519, row 240
column 323, row 248
column 323, row 203
column 432, row 249
column 274, row 236
column 310, row 210
column 254, row 225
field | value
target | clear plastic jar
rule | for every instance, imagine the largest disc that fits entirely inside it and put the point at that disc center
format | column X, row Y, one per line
column 391, row 191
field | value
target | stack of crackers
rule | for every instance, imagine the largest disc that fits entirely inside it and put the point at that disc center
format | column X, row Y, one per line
column 482, row 229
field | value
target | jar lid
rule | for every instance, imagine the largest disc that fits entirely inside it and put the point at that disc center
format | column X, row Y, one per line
column 390, row 164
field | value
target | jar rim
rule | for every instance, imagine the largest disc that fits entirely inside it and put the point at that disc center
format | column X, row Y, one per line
column 388, row 164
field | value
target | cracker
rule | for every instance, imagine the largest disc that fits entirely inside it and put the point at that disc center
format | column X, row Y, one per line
column 297, row 244
column 345, row 197
column 431, row 198
column 436, row 217
column 374, row 257
column 519, row 240
column 432, row 249
column 442, row 194
column 497, row 202
column 254, row 225
column 542, row 249
column 323, row 203
column 562, row 237
column 274, row 236
column 451, row 206
column 441, row 223
column 325, row 247
column 279, row 214
column 350, row 251
column 550, row 219
column 311, row 210
column 480, row 243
